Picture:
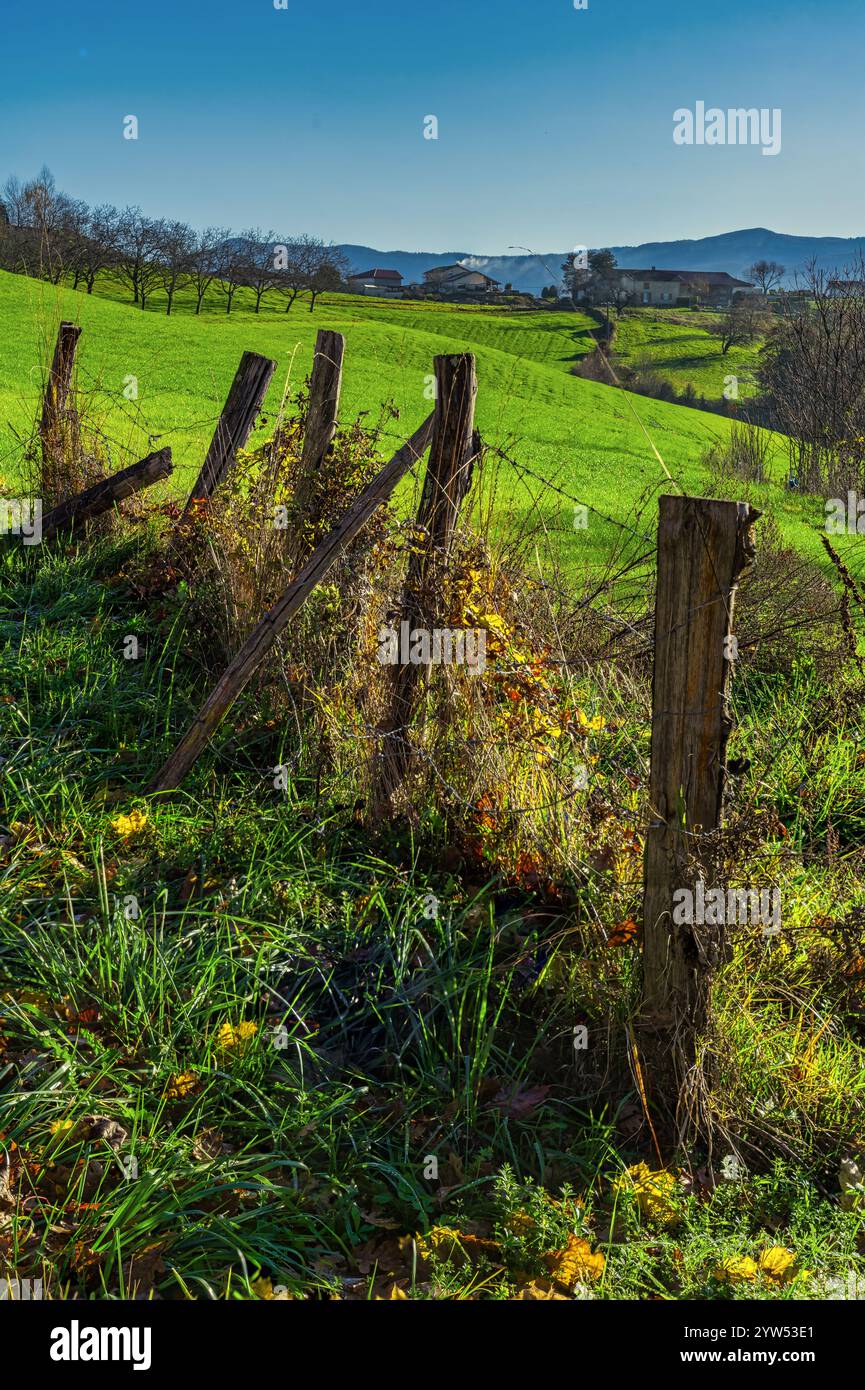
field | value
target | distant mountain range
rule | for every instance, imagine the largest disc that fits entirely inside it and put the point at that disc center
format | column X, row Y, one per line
column 734, row 252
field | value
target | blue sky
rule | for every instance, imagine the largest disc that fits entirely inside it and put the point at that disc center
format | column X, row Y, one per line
column 555, row 125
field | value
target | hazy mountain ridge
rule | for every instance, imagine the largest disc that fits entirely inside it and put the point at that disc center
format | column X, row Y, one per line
column 734, row 252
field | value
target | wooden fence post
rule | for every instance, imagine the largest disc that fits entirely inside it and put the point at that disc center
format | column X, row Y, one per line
column 446, row 482
column 321, row 422
column 104, row 495
column 704, row 546
column 55, row 405
column 264, row 635
column 235, row 424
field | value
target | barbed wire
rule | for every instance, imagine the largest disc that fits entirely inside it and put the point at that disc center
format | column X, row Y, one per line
column 554, row 487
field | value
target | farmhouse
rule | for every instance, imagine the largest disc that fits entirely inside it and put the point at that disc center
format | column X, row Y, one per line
column 665, row 288
column 844, row 289
column 458, row 279
column 376, row 282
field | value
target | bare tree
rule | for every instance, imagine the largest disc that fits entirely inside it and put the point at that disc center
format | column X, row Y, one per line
column 260, row 272
column 748, row 317
column 292, row 268
column 14, row 204
column 45, row 223
column 327, row 270
column 701, row 290
column 204, row 261
column 137, row 249
column 232, row 269
column 173, row 255
column 98, row 249
column 767, row 275
column 75, row 236
column 813, row 378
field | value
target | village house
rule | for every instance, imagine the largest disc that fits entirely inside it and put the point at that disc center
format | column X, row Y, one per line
column 458, row 279
column 386, row 283
column 846, row 289
column 682, row 288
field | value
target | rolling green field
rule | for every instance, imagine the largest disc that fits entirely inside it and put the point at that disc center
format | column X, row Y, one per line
column 591, row 441
column 682, row 348
column 251, row 1060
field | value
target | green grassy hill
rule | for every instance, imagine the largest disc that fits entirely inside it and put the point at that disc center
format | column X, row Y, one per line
column 592, row 441
column 682, row 348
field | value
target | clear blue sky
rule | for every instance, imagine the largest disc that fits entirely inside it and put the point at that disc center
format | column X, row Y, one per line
column 555, row 126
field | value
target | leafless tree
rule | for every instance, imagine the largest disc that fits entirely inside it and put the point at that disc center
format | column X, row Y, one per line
column 173, row 256
column 767, row 274
column 204, row 261
column 813, row 378
column 260, row 270
column 747, row 318
column 292, row 267
column 137, row 251
column 14, row 203
column 327, row 270
column 232, row 269
column 44, row 222
column 98, row 247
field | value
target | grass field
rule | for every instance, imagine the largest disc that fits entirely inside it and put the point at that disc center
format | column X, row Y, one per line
column 243, row 1060
column 258, row 1042
column 592, row 441
column 681, row 348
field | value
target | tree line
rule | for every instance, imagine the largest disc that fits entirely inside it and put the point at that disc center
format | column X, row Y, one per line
column 45, row 232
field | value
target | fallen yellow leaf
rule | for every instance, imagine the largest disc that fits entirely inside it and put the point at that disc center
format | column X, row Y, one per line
column 129, row 825
column 575, row 1264
column 541, row 1288
column 736, row 1269
column 180, row 1085
column 238, row 1036
column 654, row 1191
column 777, row 1263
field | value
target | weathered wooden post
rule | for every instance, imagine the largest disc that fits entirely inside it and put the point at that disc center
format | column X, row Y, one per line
column 53, row 434
column 322, row 415
column 104, row 495
column 263, row 637
column 704, row 546
column 235, row 424
column 446, row 482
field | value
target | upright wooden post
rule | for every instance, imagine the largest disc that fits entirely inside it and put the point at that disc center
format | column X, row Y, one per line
column 60, row 377
column 325, row 386
column 235, row 424
column 704, row 546
column 321, row 421
column 52, row 434
column 446, row 482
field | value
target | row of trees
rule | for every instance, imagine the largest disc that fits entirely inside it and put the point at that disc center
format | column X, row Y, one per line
column 45, row 232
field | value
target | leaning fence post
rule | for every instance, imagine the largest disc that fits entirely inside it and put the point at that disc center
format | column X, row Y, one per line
column 105, row 495
column 704, row 546
column 321, row 421
column 446, row 482
column 264, row 635
column 54, row 404
column 235, row 424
